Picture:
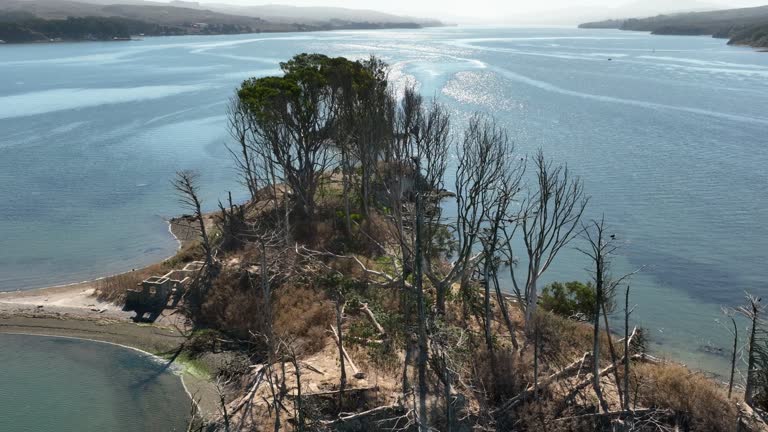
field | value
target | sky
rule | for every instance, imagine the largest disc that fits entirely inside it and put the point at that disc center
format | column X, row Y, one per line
column 490, row 10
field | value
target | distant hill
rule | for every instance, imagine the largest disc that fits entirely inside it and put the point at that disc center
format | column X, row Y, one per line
column 308, row 15
column 747, row 26
column 577, row 12
column 46, row 20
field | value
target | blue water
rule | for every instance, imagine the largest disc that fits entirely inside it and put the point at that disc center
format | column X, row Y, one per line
column 669, row 137
column 68, row 385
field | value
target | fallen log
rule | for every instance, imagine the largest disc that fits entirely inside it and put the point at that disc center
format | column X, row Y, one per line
column 618, row 414
column 372, row 317
column 645, row 358
column 566, row 372
column 248, row 396
column 528, row 393
column 335, row 392
column 355, row 371
column 363, row 414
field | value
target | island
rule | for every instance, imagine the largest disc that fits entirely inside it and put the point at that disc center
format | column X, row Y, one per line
column 340, row 296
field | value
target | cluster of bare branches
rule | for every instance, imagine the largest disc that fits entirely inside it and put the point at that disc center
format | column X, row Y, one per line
column 331, row 119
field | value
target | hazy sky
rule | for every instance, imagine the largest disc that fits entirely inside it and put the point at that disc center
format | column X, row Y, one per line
column 495, row 9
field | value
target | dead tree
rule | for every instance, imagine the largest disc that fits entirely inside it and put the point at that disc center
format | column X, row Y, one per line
column 187, row 190
column 487, row 184
column 599, row 249
column 418, row 275
column 627, row 313
column 342, row 354
column 734, row 351
column 752, row 311
column 548, row 220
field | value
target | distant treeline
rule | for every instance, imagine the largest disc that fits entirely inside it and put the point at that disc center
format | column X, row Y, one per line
column 21, row 27
column 76, row 29
column 742, row 26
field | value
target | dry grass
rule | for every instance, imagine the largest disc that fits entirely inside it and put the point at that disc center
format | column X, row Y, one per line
column 699, row 403
column 303, row 314
column 233, row 306
column 113, row 288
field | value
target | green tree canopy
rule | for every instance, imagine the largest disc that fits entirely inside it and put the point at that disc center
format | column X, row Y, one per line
column 569, row 299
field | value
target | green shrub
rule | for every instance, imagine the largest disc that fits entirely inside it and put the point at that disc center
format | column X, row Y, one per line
column 569, row 299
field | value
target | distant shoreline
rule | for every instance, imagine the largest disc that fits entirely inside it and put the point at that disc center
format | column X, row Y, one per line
column 137, row 38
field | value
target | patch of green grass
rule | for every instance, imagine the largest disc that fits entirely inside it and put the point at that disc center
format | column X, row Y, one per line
column 192, row 365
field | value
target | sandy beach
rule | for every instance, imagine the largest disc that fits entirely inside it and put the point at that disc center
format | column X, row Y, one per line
column 74, row 311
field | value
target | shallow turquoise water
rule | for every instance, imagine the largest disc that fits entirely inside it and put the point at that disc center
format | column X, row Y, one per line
column 669, row 136
column 68, row 385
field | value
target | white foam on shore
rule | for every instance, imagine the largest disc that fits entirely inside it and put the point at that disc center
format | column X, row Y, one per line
column 173, row 367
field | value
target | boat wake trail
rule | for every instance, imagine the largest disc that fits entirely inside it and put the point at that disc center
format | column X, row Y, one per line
column 631, row 102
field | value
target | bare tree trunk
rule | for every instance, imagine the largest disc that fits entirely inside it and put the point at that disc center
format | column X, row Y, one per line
column 343, row 378
column 448, row 399
column 500, row 298
column 614, row 358
column 488, row 317
column 536, row 361
column 345, row 170
column 751, row 311
column 266, row 291
column 627, row 312
column 299, row 401
column 186, row 186
column 598, row 252
column 733, row 356
column 421, row 306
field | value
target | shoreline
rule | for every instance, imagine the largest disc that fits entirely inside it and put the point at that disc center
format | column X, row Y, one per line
column 72, row 311
column 139, row 38
column 173, row 368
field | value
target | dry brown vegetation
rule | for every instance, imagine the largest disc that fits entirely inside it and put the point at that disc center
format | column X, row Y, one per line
column 698, row 402
column 113, row 288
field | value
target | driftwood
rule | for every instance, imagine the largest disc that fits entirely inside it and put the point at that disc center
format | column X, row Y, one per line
column 356, row 372
column 248, row 396
column 618, row 414
column 335, row 392
column 645, row 358
column 566, row 372
column 372, row 317
column 751, row 420
column 363, row 414
column 365, row 341
column 531, row 391
column 312, row 368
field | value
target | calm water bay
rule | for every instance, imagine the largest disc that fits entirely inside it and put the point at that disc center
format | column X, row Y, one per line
column 668, row 133
column 69, row 385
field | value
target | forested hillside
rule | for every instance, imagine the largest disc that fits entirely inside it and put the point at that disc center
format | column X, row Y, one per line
column 46, row 20
column 745, row 26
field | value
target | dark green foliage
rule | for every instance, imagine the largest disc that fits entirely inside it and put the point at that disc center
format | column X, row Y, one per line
column 296, row 117
column 756, row 36
column 746, row 26
column 569, row 299
column 85, row 28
